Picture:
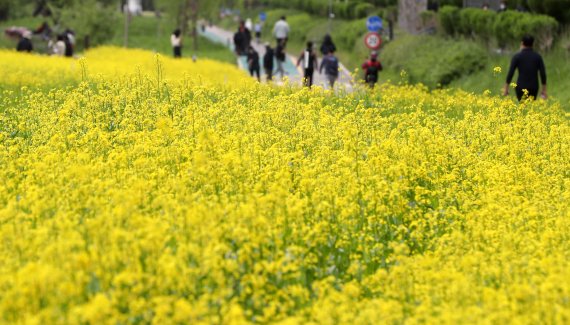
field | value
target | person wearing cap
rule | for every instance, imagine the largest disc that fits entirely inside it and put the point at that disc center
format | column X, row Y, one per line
column 530, row 65
column 268, row 59
column 371, row 69
column 25, row 43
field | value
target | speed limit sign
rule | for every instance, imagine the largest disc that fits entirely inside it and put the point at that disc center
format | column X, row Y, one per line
column 373, row 41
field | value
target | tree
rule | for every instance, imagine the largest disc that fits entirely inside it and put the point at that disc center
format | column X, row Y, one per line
column 188, row 13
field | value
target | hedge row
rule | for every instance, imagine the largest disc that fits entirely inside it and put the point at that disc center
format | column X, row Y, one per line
column 422, row 56
column 351, row 9
column 507, row 28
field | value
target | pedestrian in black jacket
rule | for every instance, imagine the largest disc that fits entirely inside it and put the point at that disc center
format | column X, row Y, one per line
column 253, row 62
column 530, row 65
column 268, row 59
column 25, row 43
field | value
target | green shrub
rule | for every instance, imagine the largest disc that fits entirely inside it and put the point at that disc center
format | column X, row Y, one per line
column 507, row 28
column 448, row 18
column 560, row 9
column 362, row 10
column 432, row 60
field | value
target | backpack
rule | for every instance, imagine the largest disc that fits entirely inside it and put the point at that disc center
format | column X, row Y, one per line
column 331, row 66
column 372, row 73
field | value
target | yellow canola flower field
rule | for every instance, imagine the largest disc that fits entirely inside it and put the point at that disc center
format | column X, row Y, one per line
column 108, row 63
column 130, row 201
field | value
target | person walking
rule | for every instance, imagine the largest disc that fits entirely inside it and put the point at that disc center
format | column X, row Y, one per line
column 371, row 69
column 25, row 43
column 253, row 62
column 309, row 59
column 330, row 65
column 176, row 42
column 257, row 29
column 529, row 65
column 268, row 59
column 242, row 39
column 328, row 45
column 281, row 31
column 280, row 57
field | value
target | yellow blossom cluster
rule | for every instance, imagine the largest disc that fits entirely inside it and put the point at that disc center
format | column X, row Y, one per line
column 108, row 63
column 131, row 201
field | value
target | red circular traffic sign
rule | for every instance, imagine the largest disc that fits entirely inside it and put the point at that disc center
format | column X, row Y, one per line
column 373, row 40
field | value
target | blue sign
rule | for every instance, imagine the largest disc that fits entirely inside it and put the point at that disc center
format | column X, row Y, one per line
column 263, row 16
column 374, row 24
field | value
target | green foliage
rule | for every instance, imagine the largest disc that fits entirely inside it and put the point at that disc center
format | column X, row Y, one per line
column 90, row 18
column 347, row 33
column 433, row 61
column 507, row 28
column 560, row 9
column 345, row 9
column 448, row 18
column 476, row 23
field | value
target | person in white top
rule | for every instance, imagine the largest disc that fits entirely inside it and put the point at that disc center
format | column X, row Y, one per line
column 281, row 31
column 249, row 24
column 59, row 46
column 176, row 41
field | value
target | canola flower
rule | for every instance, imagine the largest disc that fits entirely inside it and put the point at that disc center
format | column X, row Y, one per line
column 126, row 201
column 108, row 63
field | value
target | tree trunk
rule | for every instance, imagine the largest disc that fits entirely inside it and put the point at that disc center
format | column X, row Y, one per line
column 195, row 9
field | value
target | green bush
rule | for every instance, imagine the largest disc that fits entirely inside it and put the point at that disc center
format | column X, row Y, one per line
column 362, row 10
column 433, row 61
column 511, row 26
column 448, row 18
column 507, row 28
column 92, row 19
column 560, row 9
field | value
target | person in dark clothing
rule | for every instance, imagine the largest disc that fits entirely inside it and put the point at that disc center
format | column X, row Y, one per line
column 280, row 57
column 253, row 62
column 330, row 65
column 268, row 62
column 530, row 65
column 242, row 39
column 327, row 46
column 371, row 69
column 310, row 62
column 25, row 43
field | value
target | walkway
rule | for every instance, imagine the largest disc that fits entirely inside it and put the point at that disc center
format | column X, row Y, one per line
column 295, row 75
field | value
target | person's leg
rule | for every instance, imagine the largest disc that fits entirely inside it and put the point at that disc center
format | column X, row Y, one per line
column 519, row 93
column 306, row 78
column 251, row 72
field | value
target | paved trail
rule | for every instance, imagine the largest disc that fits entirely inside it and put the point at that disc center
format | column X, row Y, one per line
column 295, row 75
